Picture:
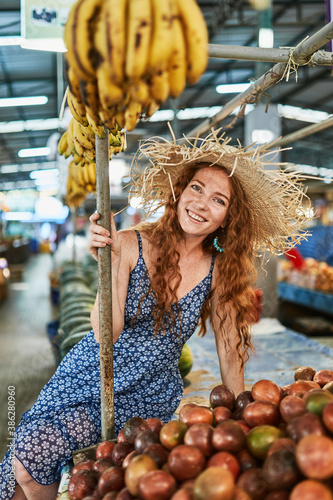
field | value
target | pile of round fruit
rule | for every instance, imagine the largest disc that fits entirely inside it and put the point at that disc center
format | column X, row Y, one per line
column 270, row 443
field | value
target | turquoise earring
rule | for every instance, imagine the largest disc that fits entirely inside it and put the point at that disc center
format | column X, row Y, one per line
column 217, row 245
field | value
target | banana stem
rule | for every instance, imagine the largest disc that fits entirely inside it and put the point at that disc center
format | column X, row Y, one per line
column 104, row 289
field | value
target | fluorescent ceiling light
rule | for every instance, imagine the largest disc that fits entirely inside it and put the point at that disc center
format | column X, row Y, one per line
column 262, row 135
column 326, row 173
column 46, row 173
column 17, row 215
column 23, row 101
column 48, row 44
column 10, row 40
column 47, row 181
column 9, row 169
column 301, row 114
column 29, row 125
column 232, row 88
column 27, row 153
column 266, row 38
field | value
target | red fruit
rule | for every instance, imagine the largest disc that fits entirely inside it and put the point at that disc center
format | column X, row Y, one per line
column 200, row 436
column 226, row 461
column 246, row 460
column 139, row 466
column 132, row 428
column 243, row 425
column 300, row 387
column 185, row 462
column 327, row 416
column 129, row 458
column 221, row 395
column 121, row 437
column 112, row 479
column 253, row 482
column 184, row 409
column 309, row 423
column 240, row 494
column 104, row 450
column 120, row 451
column 172, row 434
column 278, row 495
column 282, row 444
column 101, row 465
column 144, row 439
column 182, row 494
column 304, row 373
column 314, row 455
column 82, row 484
column 221, row 413
column 323, row 377
column 228, row 436
column 291, row 407
column 155, row 425
column 214, row 483
column 124, row 494
column 158, row 453
column 83, row 465
column 310, row 490
column 267, row 390
column 198, row 415
column 157, row 484
column 261, row 413
column 280, row 470
column 243, row 399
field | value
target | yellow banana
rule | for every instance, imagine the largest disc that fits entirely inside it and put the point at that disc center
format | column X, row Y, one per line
column 161, row 43
column 85, row 172
column 79, row 37
column 159, row 86
column 89, row 92
column 92, row 173
column 132, row 115
column 77, row 109
column 109, row 93
column 77, row 156
column 120, row 118
column 138, row 38
column 115, row 22
column 196, row 37
column 73, row 83
column 108, row 119
column 95, row 128
column 139, row 92
column 81, row 136
column 62, row 144
column 152, row 107
column 177, row 64
column 69, row 38
column 89, row 155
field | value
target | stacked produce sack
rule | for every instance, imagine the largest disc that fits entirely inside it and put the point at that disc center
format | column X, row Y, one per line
column 270, row 443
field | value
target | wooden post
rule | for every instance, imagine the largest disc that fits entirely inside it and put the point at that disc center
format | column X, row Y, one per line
column 104, row 289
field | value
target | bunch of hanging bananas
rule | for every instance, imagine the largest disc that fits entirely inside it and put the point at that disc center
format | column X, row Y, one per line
column 125, row 57
column 81, row 180
column 79, row 141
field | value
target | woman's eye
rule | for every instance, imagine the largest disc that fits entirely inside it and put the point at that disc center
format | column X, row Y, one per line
column 220, row 201
column 195, row 187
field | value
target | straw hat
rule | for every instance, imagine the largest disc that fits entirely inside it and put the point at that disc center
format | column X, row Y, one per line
column 275, row 196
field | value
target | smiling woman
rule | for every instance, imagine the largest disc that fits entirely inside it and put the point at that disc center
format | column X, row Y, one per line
column 168, row 277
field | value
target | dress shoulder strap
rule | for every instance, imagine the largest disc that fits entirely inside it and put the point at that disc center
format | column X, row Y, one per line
column 139, row 242
column 212, row 265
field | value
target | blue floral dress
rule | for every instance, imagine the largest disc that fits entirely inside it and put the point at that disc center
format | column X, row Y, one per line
column 147, row 383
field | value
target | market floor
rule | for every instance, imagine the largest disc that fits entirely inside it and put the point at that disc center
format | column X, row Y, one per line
column 27, row 363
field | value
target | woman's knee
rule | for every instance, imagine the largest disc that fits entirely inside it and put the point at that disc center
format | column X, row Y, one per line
column 22, row 475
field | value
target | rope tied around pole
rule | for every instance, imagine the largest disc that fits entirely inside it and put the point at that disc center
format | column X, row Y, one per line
column 292, row 65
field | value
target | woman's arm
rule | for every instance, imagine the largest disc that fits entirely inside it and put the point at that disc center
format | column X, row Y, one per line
column 230, row 364
column 124, row 247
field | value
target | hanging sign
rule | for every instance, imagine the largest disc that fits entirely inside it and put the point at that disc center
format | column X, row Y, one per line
column 42, row 23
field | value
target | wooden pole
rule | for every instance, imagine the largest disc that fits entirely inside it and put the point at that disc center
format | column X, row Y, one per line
column 104, row 289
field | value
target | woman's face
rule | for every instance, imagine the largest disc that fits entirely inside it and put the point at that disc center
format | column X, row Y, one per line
column 203, row 205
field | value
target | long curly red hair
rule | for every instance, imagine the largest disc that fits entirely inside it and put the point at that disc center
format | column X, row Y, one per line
column 234, row 269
